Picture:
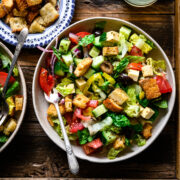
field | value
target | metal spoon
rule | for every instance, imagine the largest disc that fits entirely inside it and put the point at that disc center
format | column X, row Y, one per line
column 5, row 108
column 72, row 161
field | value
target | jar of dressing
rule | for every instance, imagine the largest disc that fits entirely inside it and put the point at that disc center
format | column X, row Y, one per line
column 140, row 3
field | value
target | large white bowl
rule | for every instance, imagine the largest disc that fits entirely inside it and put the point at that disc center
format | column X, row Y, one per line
column 23, row 91
column 40, row 104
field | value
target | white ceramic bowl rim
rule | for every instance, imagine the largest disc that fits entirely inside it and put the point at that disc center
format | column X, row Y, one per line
column 24, row 91
column 164, row 121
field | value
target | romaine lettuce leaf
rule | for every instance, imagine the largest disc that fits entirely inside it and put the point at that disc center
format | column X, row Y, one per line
column 88, row 39
column 113, row 153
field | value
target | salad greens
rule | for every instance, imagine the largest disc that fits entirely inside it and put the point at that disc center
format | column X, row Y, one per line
column 87, row 40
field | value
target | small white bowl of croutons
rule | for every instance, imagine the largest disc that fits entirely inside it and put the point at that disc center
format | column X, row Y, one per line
column 44, row 19
column 16, row 98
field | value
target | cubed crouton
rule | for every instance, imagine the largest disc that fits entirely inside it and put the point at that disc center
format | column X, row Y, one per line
column 19, row 102
column 119, row 143
column 50, row 121
column 49, row 14
column 133, row 74
column 147, row 130
column 51, row 112
column 53, row 2
column 112, row 106
column 147, row 71
column 80, row 101
column 11, row 104
column 83, row 67
column 40, row 21
column 19, row 13
column 8, row 5
column 119, row 96
column 110, row 51
column 22, row 5
column 147, row 113
column 31, row 16
column 68, row 103
column 33, row 2
column 8, row 17
column 36, row 27
column 80, row 83
column 2, row 11
column 17, row 24
column 10, row 126
column 150, row 87
column 112, row 36
column 1, row 128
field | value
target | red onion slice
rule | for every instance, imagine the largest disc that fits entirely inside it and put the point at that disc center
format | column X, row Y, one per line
column 74, row 36
column 44, row 50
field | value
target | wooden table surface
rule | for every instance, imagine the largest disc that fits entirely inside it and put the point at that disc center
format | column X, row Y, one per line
column 33, row 154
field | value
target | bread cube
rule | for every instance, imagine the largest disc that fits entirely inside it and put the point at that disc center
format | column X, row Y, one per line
column 9, row 127
column 40, row 21
column 147, row 71
column 110, row 51
column 133, row 74
column 68, row 103
column 49, row 14
column 119, row 96
column 147, row 130
column 17, row 24
column 51, row 112
column 119, row 143
column 33, row 2
column 112, row 36
column 19, row 102
column 83, row 67
column 50, row 121
column 8, row 17
column 19, row 13
column 80, row 101
column 80, row 83
column 2, row 11
column 22, row 5
column 53, row 2
column 31, row 16
column 36, row 27
column 147, row 113
column 8, row 5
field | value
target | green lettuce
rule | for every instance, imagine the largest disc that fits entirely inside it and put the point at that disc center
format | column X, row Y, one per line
column 3, row 139
column 113, row 153
column 84, row 136
column 88, row 39
column 140, row 140
column 136, row 59
column 161, row 104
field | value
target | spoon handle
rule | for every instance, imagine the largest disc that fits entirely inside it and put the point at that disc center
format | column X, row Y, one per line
column 72, row 161
column 21, row 38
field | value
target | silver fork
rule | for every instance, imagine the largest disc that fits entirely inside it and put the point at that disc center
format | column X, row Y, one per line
column 5, row 108
column 72, row 161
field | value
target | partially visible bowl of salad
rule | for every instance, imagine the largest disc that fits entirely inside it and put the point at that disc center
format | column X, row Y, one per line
column 16, row 97
column 116, row 84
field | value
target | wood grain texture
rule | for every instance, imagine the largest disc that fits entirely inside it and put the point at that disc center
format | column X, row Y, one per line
column 33, row 154
column 178, row 84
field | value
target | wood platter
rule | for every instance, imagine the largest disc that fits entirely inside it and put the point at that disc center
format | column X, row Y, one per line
column 33, row 154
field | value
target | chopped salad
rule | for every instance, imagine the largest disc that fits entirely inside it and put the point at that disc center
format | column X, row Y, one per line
column 111, row 90
column 13, row 98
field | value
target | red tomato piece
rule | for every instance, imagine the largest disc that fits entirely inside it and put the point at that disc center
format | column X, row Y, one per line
column 95, row 144
column 88, row 150
column 82, row 34
column 135, row 51
column 92, row 103
column 68, row 116
column 135, row 66
column 78, row 114
column 3, row 77
column 163, row 84
column 46, row 81
column 76, row 126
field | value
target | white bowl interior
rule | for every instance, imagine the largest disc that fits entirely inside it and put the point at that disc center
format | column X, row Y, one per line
column 40, row 104
column 23, row 91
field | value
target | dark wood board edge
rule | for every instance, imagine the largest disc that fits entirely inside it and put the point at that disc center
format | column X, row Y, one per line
column 177, row 57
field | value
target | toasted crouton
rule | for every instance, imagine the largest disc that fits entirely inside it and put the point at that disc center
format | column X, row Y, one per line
column 2, row 11
column 83, row 67
column 53, row 2
column 50, row 121
column 150, row 87
column 68, row 103
column 31, row 16
column 8, row 5
column 40, row 21
column 52, row 110
column 119, row 96
column 49, row 13
column 80, row 101
column 36, row 27
column 119, row 143
column 17, row 24
column 112, row 106
column 8, row 17
column 22, row 5
column 147, row 130
column 19, row 102
column 33, row 2
column 110, row 51
column 19, row 13
column 10, row 126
